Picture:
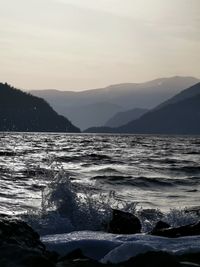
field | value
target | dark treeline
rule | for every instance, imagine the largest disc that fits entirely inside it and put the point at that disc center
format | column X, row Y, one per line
column 20, row 111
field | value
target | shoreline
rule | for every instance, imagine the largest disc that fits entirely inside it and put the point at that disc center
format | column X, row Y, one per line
column 21, row 246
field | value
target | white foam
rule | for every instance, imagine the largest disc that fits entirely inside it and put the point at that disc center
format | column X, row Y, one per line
column 112, row 248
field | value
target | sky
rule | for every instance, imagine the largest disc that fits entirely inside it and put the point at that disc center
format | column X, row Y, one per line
column 84, row 44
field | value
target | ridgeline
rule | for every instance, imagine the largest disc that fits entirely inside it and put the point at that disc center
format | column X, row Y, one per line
column 22, row 112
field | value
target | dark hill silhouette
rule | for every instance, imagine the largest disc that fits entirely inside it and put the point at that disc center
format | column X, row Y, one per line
column 122, row 118
column 187, row 93
column 182, row 117
column 20, row 111
column 80, row 107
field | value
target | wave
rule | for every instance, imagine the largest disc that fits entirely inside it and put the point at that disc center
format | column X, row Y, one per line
column 68, row 207
column 93, row 158
column 7, row 153
column 146, row 182
column 108, row 170
column 187, row 169
column 116, row 179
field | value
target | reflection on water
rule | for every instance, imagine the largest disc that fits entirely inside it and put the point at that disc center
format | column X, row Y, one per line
column 156, row 171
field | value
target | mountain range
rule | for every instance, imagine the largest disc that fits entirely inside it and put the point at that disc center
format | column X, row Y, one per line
column 22, row 112
column 96, row 106
column 178, row 115
column 124, row 117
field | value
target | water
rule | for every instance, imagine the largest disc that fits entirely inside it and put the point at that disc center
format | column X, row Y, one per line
column 155, row 171
column 65, row 187
column 114, row 249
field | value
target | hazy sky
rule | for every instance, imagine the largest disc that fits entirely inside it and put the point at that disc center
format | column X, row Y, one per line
column 81, row 44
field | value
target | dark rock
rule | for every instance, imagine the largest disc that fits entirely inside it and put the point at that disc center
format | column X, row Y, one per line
column 160, row 225
column 20, row 245
column 189, row 264
column 82, row 263
column 187, row 230
column 77, row 258
column 190, row 257
column 13, row 231
column 75, row 254
column 153, row 259
column 15, row 255
column 53, row 256
column 124, row 223
column 37, row 260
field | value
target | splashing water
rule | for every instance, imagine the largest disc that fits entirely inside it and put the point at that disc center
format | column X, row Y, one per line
column 67, row 207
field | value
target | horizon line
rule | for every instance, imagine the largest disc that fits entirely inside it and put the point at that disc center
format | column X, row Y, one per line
column 109, row 85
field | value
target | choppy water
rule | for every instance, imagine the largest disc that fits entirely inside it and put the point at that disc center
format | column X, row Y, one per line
column 155, row 171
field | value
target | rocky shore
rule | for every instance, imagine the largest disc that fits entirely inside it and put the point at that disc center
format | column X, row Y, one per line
column 20, row 246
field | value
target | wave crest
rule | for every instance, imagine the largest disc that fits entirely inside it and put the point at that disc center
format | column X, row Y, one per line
column 67, row 207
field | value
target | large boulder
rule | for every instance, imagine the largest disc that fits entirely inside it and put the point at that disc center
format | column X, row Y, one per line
column 16, row 256
column 20, row 245
column 124, row 223
column 14, row 231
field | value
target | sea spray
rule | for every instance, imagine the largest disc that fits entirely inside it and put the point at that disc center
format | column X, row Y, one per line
column 76, row 203
column 174, row 217
column 67, row 206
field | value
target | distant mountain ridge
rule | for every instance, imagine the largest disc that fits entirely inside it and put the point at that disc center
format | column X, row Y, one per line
column 20, row 111
column 92, row 114
column 179, row 115
column 187, row 93
column 124, row 117
column 79, row 107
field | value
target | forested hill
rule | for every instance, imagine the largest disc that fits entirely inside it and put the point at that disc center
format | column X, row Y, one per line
column 20, row 111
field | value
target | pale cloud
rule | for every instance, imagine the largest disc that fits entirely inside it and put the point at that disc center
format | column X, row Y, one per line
column 76, row 44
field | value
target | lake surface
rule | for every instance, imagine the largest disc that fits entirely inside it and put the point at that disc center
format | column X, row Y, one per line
column 155, row 171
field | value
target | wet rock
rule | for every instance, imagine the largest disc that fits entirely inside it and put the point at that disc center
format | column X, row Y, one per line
column 124, row 223
column 153, row 259
column 20, row 245
column 160, row 225
column 190, row 257
column 187, row 230
column 74, row 255
column 13, row 231
column 77, row 259
column 189, row 264
column 15, row 255
column 83, row 263
column 53, row 256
